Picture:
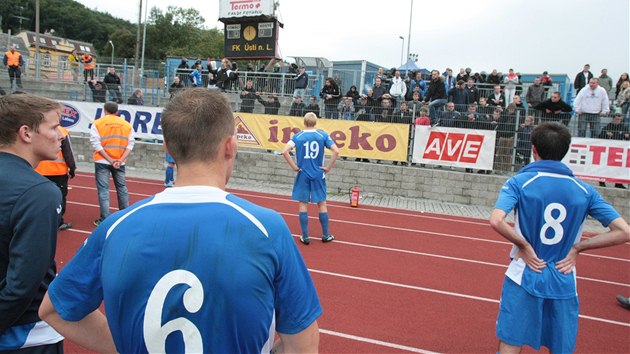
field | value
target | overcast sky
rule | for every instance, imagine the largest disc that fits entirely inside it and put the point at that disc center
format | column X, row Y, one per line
column 528, row 35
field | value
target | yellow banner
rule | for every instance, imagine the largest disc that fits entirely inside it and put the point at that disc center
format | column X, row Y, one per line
column 383, row 141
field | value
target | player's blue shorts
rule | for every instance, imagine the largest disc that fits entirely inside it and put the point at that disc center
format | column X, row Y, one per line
column 528, row 320
column 307, row 190
column 169, row 158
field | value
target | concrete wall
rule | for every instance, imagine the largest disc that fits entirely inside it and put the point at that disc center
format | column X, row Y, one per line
column 382, row 179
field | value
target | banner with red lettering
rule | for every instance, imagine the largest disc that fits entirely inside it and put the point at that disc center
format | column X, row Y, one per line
column 600, row 160
column 455, row 147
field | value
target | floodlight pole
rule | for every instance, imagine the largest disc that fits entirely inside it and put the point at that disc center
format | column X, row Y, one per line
column 409, row 34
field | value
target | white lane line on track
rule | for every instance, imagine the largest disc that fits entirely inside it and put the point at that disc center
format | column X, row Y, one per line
column 374, row 341
column 441, row 292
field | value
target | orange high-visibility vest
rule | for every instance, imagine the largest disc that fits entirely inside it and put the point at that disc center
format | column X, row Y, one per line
column 13, row 59
column 114, row 132
column 88, row 65
column 57, row 167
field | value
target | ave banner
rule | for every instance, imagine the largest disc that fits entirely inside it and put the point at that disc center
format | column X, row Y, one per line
column 369, row 140
column 600, row 160
column 383, row 141
column 466, row 148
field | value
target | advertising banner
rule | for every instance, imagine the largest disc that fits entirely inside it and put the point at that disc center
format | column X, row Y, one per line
column 383, row 141
column 355, row 139
column 466, row 148
column 245, row 8
column 598, row 159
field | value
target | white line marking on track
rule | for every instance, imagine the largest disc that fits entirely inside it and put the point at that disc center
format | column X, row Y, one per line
column 419, row 288
column 374, row 341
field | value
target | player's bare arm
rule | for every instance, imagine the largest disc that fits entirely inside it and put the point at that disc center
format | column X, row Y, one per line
column 618, row 233
column 333, row 159
column 526, row 252
column 91, row 332
column 285, row 152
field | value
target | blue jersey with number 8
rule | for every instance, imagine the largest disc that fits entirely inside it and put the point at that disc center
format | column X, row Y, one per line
column 550, row 207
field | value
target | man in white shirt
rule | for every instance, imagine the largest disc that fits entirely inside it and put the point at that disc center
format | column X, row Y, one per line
column 590, row 104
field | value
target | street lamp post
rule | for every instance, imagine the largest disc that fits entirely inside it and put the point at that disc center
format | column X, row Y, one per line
column 112, row 43
column 402, row 49
column 409, row 34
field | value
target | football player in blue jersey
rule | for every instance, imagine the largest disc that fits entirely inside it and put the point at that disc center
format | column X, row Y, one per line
column 539, row 303
column 193, row 268
column 310, row 182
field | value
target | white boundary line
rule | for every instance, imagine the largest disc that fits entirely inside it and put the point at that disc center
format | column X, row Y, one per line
column 374, row 341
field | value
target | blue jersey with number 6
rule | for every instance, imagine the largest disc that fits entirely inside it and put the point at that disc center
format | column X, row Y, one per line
column 550, row 207
column 192, row 269
column 309, row 151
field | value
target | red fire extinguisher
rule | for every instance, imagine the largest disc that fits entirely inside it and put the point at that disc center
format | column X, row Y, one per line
column 355, row 192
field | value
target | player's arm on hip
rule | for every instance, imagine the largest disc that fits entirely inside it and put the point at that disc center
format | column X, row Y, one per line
column 285, row 152
column 526, row 251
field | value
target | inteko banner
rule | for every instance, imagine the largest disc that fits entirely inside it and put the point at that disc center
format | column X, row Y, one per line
column 455, row 147
column 355, row 139
column 598, row 159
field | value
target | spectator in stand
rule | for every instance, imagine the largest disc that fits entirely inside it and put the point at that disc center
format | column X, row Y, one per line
column 301, row 82
column 478, row 78
column 422, row 119
column 496, row 98
column 418, row 82
column 354, row 94
column 459, row 96
column 363, row 110
column 99, row 92
column 403, row 115
column 623, row 101
column 385, row 113
column 484, row 109
column 416, row 103
column 136, row 98
column 546, row 80
column 554, row 110
column 112, row 81
column 520, row 108
column 175, row 87
column 473, row 93
column 467, row 119
column 225, row 75
column 398, row 88
column 449, row 80
column 312, row 106
column 519, row 85
column 582, row 78
column 272, row 105
column 330, row 93
column 88, row 66
column 535, row 94
column 590, row 104
column 381, row 75
column 615, row 130
column 74, row 61
column 524, row 141
column 248, row 97
column 297, row 107
column 511, row 80
column 622, row 78
column 436, row 95
column 378, row 90
column 338, row 82
column 346, row 108
column 505, row 127
column 450, row 118
column 182, row 71
column 494, row 78
column 195, row 76
column 606, row 82
column 463, row 75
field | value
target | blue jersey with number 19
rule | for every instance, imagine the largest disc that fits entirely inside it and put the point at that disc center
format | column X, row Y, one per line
column 309, row 151
column 193, row 269
column 550, row 207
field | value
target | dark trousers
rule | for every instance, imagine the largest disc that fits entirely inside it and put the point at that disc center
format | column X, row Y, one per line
column 62, row 183
column 15, row 74
column 56, row 348
column 87, row 72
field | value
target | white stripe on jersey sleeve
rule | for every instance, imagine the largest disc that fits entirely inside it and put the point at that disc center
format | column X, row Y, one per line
column 554, row 175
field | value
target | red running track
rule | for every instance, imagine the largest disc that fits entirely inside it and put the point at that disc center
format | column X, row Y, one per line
column 402, row 281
